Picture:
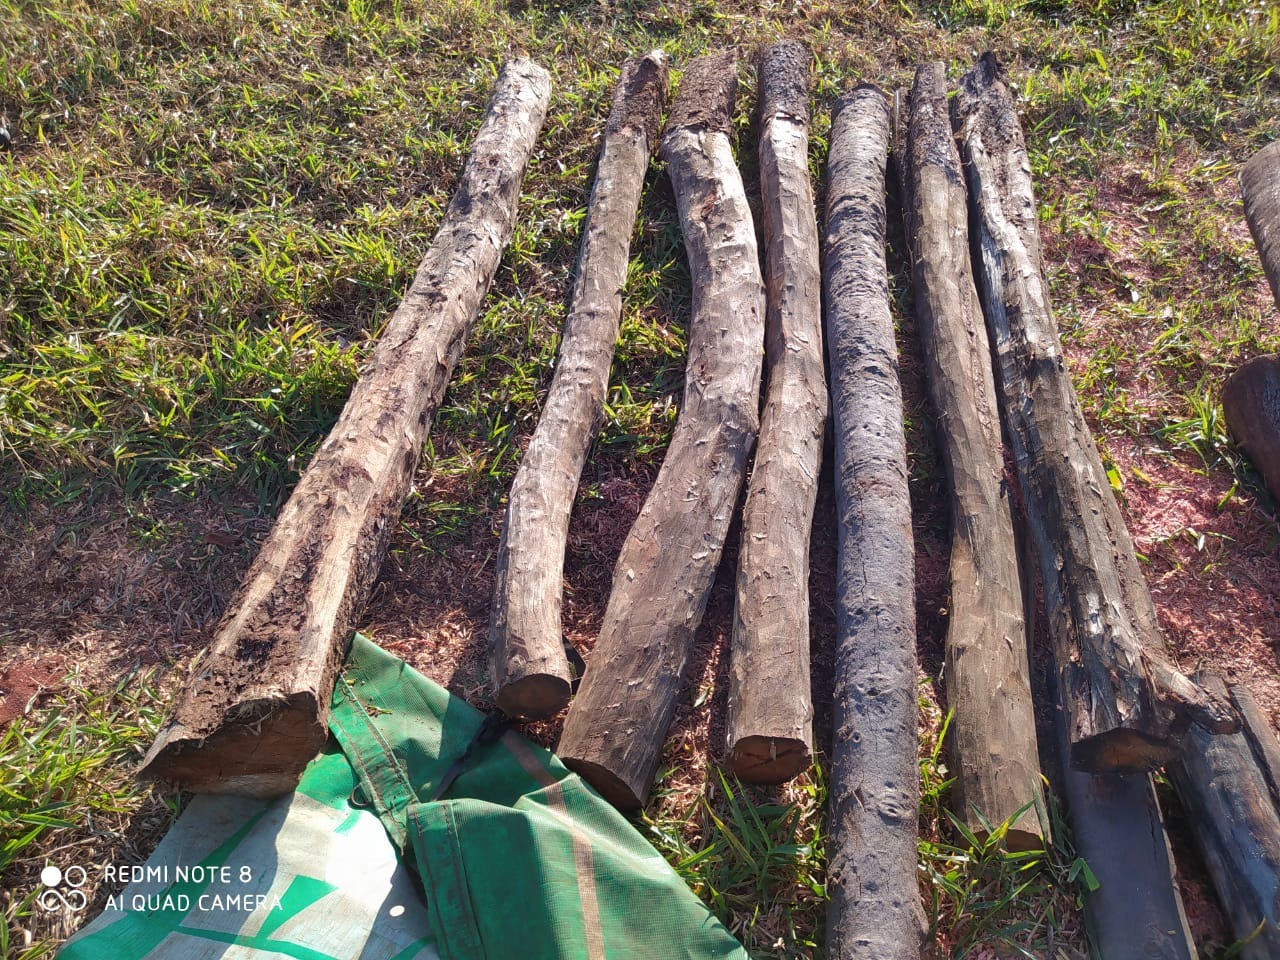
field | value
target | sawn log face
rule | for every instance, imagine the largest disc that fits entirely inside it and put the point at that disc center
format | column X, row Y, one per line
column 1260, row 186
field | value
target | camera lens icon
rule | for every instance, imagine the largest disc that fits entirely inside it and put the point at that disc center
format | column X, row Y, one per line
column 54, row 899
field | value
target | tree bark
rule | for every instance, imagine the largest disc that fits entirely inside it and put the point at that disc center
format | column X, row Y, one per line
column 1251, row 405
column 529, row 664
column 1262, row 738
column 256, row 710
column 874, row 790
column 1223, row 784
column 1260, row 185
column 770, row 710
column 614, row 733
column 988, row 683
column 1127, row 704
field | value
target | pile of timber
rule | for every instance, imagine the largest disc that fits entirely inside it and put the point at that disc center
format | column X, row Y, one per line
column 255, row 710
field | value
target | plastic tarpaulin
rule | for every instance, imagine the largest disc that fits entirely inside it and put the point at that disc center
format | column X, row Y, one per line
column 520, row 860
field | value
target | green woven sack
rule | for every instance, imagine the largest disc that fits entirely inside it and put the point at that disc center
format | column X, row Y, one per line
column 521, row 860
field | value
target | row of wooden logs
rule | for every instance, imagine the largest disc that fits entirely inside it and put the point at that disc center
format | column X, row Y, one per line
column 255, row 711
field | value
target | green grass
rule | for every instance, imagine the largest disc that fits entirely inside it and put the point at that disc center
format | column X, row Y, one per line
column 65, row 776
column 211, row 209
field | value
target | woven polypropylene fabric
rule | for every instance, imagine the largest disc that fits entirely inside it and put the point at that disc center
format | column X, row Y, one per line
column 522, row 859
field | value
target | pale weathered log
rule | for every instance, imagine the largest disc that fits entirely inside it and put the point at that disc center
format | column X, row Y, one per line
column 988, row 685
column 770, row 723
column 874, row 790
column 1260, row 185
column 529, row 664
column 1127, row 703
column 616, row 725
column 1251, row 406
column 1224, row 789
column 255, row 711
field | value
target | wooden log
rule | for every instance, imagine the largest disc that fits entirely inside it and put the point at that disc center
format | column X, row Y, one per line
column 874, row 789
column 529, row 664
column 1260, row 186
column 1118, row 830
column 256, row 710
column 1127, row 703
column 988, row 683
column 1251, row 406
column 1225, row 791
column 614, row 732
column 1262, row 737
column 770, row 726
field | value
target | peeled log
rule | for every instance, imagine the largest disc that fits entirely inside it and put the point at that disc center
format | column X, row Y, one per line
column 1260, row 186
column 1223, row 784
column 614, row 732
column 257, row 709
column 1251, row 405
column 874, row 790
column 770, row 709
column 1127, row 705
column 529, row 663
column 988, row 685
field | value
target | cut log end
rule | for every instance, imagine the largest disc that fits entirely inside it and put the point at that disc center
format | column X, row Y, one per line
column 642, row 91
column 1121, row 751
column 784, row 80
column 264, row 759
column 1251, row 405
column 535, row 696
column 607, row 783
column 759, row 759
column 1260, row 188
column 707, row 93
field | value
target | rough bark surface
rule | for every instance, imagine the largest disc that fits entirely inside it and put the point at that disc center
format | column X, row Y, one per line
column 1223, row 784
column 987, row 680
column 874, row 790
column 1127, row 704
column 616, row 725
column 770, row 709
column 1251, row 405
column 1262, row 738
column 256, row 710
column 1260, row 185
column 529, row 664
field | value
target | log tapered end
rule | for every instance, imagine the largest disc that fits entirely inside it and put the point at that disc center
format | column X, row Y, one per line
column 607, row 783
column 707, row 94
column 1251, row 404
column 535, row 696
column 264, row 759
column 641, row 93
column 758, row 759
column 784, row 80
